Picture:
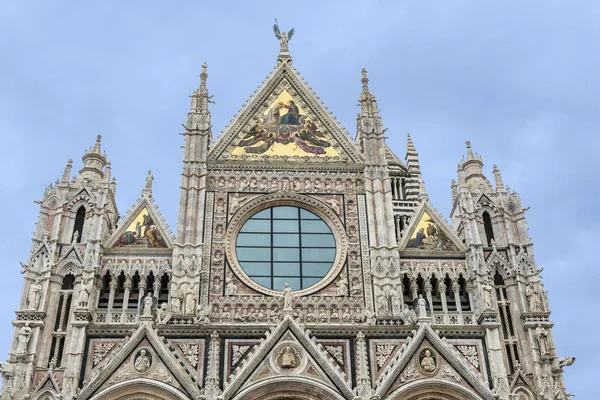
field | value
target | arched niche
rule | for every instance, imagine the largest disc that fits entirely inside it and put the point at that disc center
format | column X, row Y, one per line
column 140, row 389
column 286, row 388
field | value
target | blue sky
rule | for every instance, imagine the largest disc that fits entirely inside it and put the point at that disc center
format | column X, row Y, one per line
column 518, row 79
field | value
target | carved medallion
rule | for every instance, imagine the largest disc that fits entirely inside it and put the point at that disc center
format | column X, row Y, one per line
column 428, row 361
column 142, row 361
column 288, row 358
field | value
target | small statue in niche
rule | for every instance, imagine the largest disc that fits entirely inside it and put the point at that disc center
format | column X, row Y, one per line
column 533, row 297
column 346, row 316
column 288, row 297
column 323, row 315
column 75, row 239
column 487, row 297
column 395, row 299
column 261, row 314
column 427, row 361
column 383, row 305
column 253, row 183
column 34, row 295
column 84, row 296
column 218, row 257
column 297, row 185
column 355, row 288
column 287, row 358
column 342, row 286
column 190, row 300
column 175, row 299
column 339, row 186
column 264, row 184
column 352, row 233
column 542, row 337
column 359, row 314
column 354, row 261
column 230, row 286
column 221, row 183
column 334, row 313
column 328, row 185
column 238, row 316
column 219, row 232
column 275, row 185
column 216, row 284
column 148, row 302
column 317, row 186
column 243, row 184
column 220, row 206
column 422, row 304
column 307, row 185
column 23, row 339
column 142, row 362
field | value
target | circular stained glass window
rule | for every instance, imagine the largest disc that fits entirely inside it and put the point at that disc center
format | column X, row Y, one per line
column 285, row 244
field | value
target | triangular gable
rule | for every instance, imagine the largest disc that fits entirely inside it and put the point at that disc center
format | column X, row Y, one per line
column 385, row 350
column 142, row 228
column 162, row 365
column 72, row 254
column 428, row 232
column 443, row 364
column 519, row 380
column 288, row 348
column 285, row 121
column 47, row 384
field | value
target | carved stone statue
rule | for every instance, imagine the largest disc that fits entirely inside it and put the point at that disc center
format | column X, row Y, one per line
column 566, row 361
column 533, row 297
column 23, row 340
column 75, row 239
column 288, row 297
column 395, row 300
column 142, row 362
column 84, row 296
column 230, row 285
column 428, row 362
column 190, row 300
column 383, row 305
column 542, row 337
column 149, row 179
column 162, row 314
column 287, row 358
column 487, row 297
column 342, row 286
column 148, row 302
column 175, row 300
column 34, row 295
column 408, row 315
column 422, row 304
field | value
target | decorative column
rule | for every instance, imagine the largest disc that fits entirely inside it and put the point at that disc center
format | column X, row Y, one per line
column 156, row 287
column 427, row 289
column 142, row 292
column 211, row 390
column 414, row 288
column 363, row 390
column 111, row 297
column 127, row 288
column 456, row 290
column 442, row 292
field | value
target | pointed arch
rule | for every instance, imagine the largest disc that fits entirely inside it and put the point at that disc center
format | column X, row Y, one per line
column 436, row 388
column 286, row 387
column 140, row 388
column 488, row 228
column 79, row 222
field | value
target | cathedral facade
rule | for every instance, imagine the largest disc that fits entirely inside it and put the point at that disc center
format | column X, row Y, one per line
column 308, row 263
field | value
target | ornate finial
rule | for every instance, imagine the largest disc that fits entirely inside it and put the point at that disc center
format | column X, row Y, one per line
column 284, row 38
column 470, row 155
column 365, row 81
column 203, row 76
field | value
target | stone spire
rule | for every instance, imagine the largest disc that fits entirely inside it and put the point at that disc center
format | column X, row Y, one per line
column 498, row 179
column 454, row 188
column 412, row 157
column 93, row 163
column 199, row 115
column 473, row 169
column 66, row 176
column 368, row 104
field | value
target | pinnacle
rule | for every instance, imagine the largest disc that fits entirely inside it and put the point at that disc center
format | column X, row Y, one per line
column 470, row 155
column 96, row 148
column 365, row 81
column 410, row 146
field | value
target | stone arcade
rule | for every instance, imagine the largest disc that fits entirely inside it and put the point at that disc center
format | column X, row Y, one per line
column 306, row 265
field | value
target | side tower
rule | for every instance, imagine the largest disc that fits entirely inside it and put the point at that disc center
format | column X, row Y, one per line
column 491, row 221
column 76, row 215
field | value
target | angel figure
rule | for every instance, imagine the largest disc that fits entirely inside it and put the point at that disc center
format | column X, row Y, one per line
column 284, row 38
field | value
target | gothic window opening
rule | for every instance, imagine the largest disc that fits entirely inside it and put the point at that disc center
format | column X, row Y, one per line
column 489, row 230
column 436, row 296
column 79, row 221
column 403, row 188
column 508, row 331
column 465, row 304
column 61, row 322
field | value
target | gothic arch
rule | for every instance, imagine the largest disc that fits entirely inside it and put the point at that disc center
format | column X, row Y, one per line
column 288, row 388
column 46, row 394
column 140, row 389
column 432, row 389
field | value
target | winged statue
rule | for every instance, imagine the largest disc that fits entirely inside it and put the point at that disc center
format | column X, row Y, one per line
column 284, row 38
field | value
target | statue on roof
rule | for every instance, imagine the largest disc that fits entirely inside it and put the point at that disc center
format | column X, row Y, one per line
column 284, row 38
